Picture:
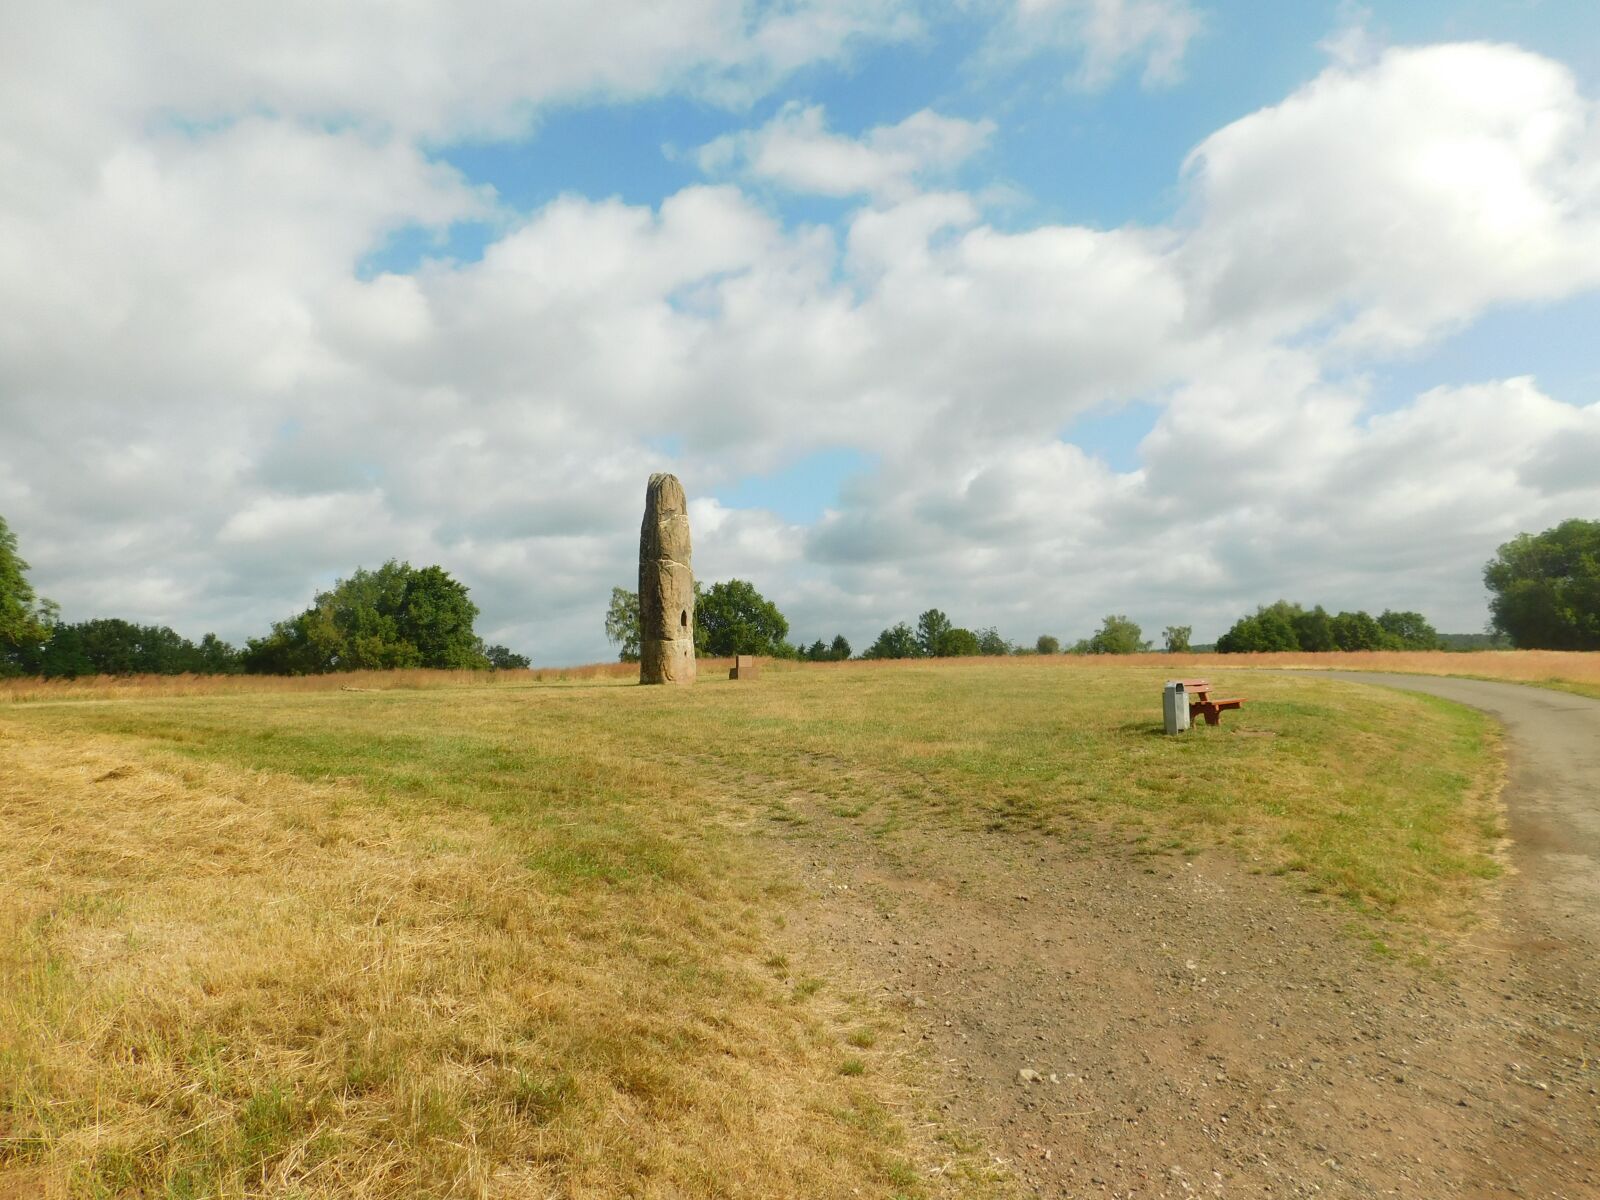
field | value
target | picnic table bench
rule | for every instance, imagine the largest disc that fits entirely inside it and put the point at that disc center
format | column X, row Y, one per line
column 1204, row 706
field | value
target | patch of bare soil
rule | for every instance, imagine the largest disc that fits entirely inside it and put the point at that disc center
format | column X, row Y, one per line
column 1116, row 1025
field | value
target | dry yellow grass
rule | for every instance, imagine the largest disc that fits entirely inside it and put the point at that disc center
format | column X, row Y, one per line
column 1561, row 668
column 1522, row 666
column 1546, row 667
column 230, row 983
column 146, row 687
column 1571, row 670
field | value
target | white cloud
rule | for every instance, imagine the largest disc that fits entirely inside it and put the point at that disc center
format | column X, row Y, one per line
column 467, row 67
column 1105, row 35
column 1400, row 200
column 795, row 150
column 1352, row 44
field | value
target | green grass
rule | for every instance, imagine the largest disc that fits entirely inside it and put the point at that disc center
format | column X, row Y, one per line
column 569, row 901
column 1573, row 686
column 1358, row 790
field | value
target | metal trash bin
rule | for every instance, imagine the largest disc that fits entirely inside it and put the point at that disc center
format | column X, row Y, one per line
column 1175, row 706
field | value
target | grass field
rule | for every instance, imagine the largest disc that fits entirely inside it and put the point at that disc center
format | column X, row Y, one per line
column 1567, row 670
column 529, row 939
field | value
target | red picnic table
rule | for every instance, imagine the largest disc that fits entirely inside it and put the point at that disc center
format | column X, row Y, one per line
column 1203, row 705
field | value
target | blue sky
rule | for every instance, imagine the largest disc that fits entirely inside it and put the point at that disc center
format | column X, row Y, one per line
column 928, row 305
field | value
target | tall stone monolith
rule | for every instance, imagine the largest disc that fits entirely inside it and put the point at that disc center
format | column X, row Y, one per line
column 666, row 586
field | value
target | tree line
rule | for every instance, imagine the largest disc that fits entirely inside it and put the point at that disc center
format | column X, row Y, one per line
column 396, row 616
column 1544, row 594
column 1289, row 627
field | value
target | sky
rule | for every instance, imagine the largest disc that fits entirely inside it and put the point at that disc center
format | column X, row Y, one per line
column 1030, row 310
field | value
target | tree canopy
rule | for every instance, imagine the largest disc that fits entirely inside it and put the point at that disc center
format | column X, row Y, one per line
column 733, row 618
column 991, row 643
column 622, row 624
column 112, row 646
column 931, row 629
column 836, row 651
column 898, row 641
column 503, row 659
column 1176, row 638
column 1286, row 627
column 1116, row 635
column 959, row 643
column 1545, row 588
column 25, row 620
column 396, row 616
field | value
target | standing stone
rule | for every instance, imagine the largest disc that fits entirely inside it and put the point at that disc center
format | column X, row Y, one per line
column 666, row 586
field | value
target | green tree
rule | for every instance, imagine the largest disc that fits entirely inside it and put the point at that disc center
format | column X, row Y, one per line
column 214, row 656
column 396, row 616
column 501, row 658
column 991, row 643
column 1313, row 628
column 1409, row 630
column 111, row 646
column 1176, row 638
column 1269, row 630
column 734, row 618
column 1242, row 637
column 1047, row 645
column 622, row 624
column 898, row 641
column 1116, row 635
column 820, row 651
column 25, row 620
column 436, row 616
column 1358, row 631
column 931, row 626
column 1545, row 588
column 959, row 643
column 63, row 656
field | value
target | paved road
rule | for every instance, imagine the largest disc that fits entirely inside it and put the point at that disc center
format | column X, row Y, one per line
column 1552, row 794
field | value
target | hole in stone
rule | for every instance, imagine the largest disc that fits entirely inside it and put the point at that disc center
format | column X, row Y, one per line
column 683, row 618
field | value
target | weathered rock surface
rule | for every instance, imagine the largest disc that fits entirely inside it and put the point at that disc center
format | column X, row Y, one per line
column 666, row 586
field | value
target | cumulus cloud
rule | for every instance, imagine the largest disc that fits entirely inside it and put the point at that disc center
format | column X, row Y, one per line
column 210, row 409
column 1402, row 198
column 796, row 150
column 482, row 67
column 1104, row 35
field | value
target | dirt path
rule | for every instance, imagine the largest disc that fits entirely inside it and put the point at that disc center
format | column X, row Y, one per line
column 1117, row 1025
